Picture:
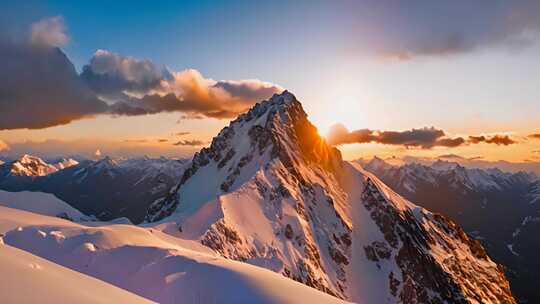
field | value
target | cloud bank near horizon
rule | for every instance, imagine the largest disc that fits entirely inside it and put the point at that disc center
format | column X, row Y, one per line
column 111, row 84
column 423, row 138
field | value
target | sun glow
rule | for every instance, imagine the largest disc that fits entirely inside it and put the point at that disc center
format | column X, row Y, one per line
column 344, row 110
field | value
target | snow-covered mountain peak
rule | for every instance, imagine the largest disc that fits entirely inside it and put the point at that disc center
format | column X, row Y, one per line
column 28, row 165
column 65, row 163
column 270, row 192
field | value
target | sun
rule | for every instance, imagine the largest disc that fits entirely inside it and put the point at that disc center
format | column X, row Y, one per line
column 340, row 110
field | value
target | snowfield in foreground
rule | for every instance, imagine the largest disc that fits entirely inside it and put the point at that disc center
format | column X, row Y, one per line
column 27, row 278
column 39, row 202
column 143, row 261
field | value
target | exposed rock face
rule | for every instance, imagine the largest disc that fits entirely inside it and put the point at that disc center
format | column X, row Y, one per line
column 270, row 192
column 498, row 208
column 437, row 261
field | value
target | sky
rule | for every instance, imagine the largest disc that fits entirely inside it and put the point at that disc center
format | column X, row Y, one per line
column 376, row 77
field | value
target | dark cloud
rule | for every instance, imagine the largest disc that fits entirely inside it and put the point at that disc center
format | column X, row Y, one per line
column 139, row 87
column 451, row 156
column 110, row 73
column 495, row 139
column 405, row 29
column 189, row 92
column 40, row 88
column 534, row 136
column 140, row 141
column 182, row 133
column 190, row 142
column 162, row 140
column 424, row 138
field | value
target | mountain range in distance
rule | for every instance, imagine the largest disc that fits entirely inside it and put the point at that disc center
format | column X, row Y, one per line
column 269, row 193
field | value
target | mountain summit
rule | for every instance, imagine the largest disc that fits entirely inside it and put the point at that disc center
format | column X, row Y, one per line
column 270, row 192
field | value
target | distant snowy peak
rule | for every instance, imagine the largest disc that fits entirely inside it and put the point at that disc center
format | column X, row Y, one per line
column 65, row 163
column 145, row 167
column 28, row 165
column 450, row 173
column 33, row 166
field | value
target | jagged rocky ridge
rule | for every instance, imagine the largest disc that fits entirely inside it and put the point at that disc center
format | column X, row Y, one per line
column 498, row 208
column 269, row 191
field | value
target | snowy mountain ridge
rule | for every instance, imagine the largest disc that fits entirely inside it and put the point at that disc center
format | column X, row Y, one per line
column 33, row 166
column 277, row 196
column 457, row 176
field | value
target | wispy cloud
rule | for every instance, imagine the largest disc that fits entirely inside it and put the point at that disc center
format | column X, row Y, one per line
column 190, row 142
column 424, row 138
column 495, row 139
column 49, row 32
column 408, row 29
column 182, row 133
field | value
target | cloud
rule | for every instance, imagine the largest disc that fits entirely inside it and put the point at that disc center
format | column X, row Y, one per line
column 190, row 92
column 424, row 138
column 451, row 156
column 110, row 73
column 139, row 141
column 182, row 133
column 162, row 140
column 188, row 142
column 534, row 136
column 40, row 88
column 3, row 146
column 407, row 29
column 496, row 139
column 49, row 32
column 53, row 93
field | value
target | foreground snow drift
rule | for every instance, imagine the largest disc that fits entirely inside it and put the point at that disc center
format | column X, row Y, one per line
column 27, row 278
column 39, row 202
column 150, row 263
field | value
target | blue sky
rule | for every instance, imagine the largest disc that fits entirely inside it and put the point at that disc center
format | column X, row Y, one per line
column 466, row 68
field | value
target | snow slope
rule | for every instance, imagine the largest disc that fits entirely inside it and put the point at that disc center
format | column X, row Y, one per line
column 27, row 278
column 41, row 203
column 149, row 263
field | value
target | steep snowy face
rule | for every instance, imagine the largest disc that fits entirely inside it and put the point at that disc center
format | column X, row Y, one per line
column 275, row 130
column 258, row 192
column 270, row 192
